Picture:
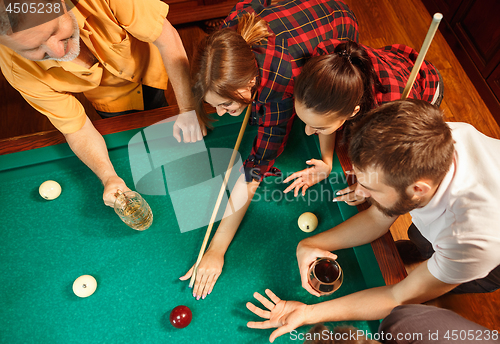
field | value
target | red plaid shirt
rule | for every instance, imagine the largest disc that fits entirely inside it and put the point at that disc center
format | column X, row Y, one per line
column 297, row 27
column 393, row 65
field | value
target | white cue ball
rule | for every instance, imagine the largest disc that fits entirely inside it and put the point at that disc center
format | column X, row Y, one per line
column 84, row 286
column 308, row 222
column 50, row 190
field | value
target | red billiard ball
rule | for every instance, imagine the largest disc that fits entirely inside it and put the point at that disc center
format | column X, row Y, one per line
column 180, row 316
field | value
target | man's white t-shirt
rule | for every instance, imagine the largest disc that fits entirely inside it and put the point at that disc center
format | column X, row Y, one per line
column 462, row 220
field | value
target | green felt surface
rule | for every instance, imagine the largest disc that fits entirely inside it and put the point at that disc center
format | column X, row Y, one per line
column 46, row 245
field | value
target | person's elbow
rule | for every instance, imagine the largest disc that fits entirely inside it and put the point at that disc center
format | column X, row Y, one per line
column 168, row 35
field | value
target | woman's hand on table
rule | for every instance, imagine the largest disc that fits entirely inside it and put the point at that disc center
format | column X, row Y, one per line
column 193, row 130
column 209, row 271
column 306, row 178
column 306, row 255
column 111, row 186
column 283, row 315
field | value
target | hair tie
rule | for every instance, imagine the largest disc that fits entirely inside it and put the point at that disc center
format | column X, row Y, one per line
column 345, row 54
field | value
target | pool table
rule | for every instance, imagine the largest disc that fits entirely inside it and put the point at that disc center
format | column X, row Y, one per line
column 46, row 245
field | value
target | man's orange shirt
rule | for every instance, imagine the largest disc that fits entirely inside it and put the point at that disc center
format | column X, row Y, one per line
column 120, row 34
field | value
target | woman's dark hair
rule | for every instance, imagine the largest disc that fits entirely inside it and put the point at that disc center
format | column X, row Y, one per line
column 338, row 82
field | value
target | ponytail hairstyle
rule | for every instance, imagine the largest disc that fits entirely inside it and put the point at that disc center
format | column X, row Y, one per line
column 337, row 83
column 225, row 62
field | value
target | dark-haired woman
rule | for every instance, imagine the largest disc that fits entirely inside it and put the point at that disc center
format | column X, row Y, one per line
column 343, row 81
column 253, row 60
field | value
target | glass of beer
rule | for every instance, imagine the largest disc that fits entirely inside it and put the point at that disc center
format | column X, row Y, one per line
column 325, row 275
column 133, row 210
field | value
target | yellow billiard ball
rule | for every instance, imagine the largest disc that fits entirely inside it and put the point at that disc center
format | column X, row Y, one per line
column 84, row 286
column 50, row 190
column 308, row 222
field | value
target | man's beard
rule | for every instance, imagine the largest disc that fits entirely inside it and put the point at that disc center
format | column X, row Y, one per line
column 404, row 205
column 74, row 40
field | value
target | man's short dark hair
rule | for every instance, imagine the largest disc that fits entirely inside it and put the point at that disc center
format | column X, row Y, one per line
column 407, row 140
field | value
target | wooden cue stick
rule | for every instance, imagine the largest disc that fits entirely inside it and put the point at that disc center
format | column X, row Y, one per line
column 436, row 19
column 221, row 193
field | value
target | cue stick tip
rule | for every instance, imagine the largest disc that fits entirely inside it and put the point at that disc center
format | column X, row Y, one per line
column 437, row 17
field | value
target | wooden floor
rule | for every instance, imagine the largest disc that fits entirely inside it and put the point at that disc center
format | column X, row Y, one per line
column 382, row 22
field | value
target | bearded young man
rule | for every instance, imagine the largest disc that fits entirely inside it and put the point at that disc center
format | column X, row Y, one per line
column 407, row 159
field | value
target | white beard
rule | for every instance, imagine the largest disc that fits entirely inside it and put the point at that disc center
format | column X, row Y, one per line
column 74, row 40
